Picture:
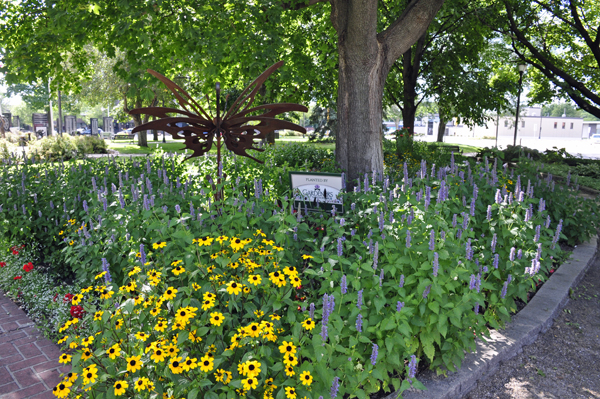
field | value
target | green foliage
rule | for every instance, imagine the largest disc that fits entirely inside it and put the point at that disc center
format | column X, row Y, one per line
column 65, row 147
column 436, row 259
column 569, row 25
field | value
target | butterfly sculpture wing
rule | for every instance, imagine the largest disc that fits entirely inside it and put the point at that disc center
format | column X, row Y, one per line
column 240, row 126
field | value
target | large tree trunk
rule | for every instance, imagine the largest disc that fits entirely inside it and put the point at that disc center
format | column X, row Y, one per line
column 411, row 65
column 362, row 75
column 365, row 58
column 441, row 127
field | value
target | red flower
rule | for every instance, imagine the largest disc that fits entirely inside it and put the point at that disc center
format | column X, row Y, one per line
column 2, row 264
column 67, row 298
column 18, row 278
column 28, row 267
column 77, row 311
column 15, row 252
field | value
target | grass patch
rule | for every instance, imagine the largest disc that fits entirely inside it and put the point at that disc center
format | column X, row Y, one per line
column 463, row 147
column 128, row 148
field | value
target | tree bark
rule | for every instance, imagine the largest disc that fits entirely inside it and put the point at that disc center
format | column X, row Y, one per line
column 411, row 65
column 365, row 58
column 441, row 127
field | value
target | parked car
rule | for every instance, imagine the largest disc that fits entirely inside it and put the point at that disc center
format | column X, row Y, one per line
column 596, row 139
column 88, row 131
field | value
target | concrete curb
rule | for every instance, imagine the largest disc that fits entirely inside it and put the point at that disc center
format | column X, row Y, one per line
column 536, row 318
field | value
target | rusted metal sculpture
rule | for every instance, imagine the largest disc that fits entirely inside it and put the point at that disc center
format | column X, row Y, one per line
column 199, row 129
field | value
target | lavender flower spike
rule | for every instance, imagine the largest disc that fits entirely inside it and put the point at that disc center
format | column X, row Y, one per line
column 105, row 266
column 359, row 299
column 426, row 292
column 335, row 386
column 436, row 264
column 399, row 306
column 374, row 354
column 408, row 238
column 432, row 240
column 359, row 322
column 401, row 284
column 412, row 367
column 142, row 254
column 344, row 285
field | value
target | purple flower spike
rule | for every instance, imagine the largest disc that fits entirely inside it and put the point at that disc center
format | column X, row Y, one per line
column 374, row 354
column 432, row 240
column 436, row 264
column 401, row 284
column 412, row 367
column 399, row 306
column 473, row 282
column 408, row 238
column 359, row 299
column 344, row 285
column 359, row 322
column 426, row 292
column 335, row 386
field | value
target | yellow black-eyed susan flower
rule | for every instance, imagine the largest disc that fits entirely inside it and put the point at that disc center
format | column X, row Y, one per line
column 114, row 351
column 120, row 387
column 308, row 324
column 290, row 393
column 206, row 363
column 176, row 365
column 64, row 358
column 134, row 363
column 306, row 378
column 216, row 318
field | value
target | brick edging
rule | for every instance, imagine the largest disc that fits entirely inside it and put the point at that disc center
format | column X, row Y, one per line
column 29, row 365
column 536, row 318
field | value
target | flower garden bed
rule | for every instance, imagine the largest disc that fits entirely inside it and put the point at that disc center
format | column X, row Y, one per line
column 186, row 296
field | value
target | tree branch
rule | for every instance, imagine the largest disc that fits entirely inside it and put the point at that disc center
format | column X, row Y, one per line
column 586, row 36
column 407, row 29
column 548, row 65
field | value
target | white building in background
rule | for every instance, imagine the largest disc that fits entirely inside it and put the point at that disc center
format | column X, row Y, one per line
column 531, row 125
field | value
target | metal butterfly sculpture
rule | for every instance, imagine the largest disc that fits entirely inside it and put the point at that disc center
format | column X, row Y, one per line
column 199, row 129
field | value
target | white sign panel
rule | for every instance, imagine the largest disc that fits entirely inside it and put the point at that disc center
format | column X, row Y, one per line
column 317, row 190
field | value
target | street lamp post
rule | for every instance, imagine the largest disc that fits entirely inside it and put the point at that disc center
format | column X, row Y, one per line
column 522, row 69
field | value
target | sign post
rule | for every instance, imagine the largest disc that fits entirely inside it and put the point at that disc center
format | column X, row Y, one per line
column 40, row 123
column 94, row 124
column 108, row 125
column 317, row 191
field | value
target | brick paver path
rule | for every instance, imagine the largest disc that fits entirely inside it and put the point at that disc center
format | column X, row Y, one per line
column 29, row 365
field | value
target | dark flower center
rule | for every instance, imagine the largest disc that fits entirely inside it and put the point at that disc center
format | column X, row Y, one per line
column 132, row 363
column 234, row 285
column 288, row 348
column 89, row 375
column 237, row 241
column 188, row 362
column 206, row 362
column 175, row 364
column 251, row 367
column 61, row 387
column 158, row 352
column 118, row 386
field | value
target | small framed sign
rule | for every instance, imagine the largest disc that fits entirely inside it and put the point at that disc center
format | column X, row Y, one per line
column 317, row 191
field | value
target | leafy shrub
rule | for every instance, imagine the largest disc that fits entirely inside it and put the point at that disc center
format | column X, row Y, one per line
column 6, row 148
column 91, row 145
column 55, row 148
column 302, row 156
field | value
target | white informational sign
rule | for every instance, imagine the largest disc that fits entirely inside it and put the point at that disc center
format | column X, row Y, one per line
column 317, row 191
